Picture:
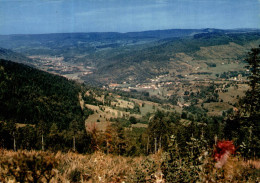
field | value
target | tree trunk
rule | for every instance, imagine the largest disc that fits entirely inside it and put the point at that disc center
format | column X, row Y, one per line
column 42, row 143
column 74, row 144
column 155, row 145
column 14, row 142
column 216, row 139
column 147, row 148
column 107, row 147
column 192, row 146
column 160, row 144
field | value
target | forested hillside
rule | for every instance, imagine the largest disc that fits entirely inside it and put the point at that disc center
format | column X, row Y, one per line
column 34, row 103
column 29, row 95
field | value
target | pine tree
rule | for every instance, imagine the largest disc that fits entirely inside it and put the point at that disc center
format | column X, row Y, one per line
column 244, row 126
column 42, row 128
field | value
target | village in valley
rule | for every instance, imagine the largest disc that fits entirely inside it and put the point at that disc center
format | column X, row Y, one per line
column 57, row 65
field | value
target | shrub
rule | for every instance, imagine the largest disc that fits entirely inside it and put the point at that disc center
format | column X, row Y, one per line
column 75, row 175
column 27, row 166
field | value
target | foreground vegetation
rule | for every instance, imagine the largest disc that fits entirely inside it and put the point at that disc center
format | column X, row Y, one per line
column 33, row 166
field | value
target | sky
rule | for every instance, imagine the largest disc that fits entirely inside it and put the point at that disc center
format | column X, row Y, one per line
column 62, row 16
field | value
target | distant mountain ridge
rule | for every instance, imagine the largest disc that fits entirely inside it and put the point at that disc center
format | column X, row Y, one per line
column 17, row 40
column 133, row 56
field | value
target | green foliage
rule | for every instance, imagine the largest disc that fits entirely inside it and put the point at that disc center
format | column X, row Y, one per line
column 145, row 171
column 243, row 126
column 252, row 99
column 6, row 135
column 182, row 170
column 160, row 129
column 28, row 95
column 132, row 120
column 49, row 103
column 26, row 138
column 194, row 110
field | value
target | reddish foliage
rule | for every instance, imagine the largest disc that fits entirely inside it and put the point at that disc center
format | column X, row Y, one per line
column 222, row 148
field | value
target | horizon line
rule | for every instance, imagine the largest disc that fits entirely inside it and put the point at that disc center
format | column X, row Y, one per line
column 127, row 32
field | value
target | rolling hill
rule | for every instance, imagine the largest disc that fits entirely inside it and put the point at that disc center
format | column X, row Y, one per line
column 135, row 57
column 177, row 56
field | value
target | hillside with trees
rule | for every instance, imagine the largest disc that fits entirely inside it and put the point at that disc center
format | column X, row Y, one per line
column 173, row 56
column 34, row 102
column 41, row 111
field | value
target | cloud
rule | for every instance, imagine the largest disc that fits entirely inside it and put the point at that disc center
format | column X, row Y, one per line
column 125, row 9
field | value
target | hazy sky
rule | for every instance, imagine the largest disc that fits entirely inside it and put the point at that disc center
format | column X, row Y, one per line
column 51, row 16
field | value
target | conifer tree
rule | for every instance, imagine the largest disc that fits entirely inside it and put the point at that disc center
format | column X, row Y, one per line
column 244, row 125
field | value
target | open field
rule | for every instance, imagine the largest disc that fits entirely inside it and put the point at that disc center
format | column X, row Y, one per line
column 104, row 114
column 123, row 104
column 217, row 108
column 234, row 93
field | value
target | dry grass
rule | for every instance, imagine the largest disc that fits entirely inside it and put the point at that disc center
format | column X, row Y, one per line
column 123, row 104
column 231, row 95
column 107, row 168
column 73, row 167
column 237, row 170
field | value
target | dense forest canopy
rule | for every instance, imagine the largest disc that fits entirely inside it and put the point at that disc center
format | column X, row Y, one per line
column 29, row 96
column 39, row 110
